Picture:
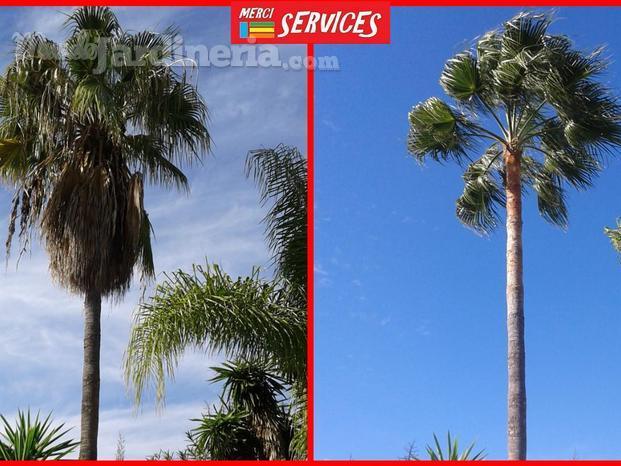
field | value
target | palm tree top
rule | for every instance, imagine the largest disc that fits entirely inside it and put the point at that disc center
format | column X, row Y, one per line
column 521, row 91
column 82, row 127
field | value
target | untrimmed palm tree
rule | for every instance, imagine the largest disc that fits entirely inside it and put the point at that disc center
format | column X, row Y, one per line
column 247, row 317
column 546, row 121
column 79, row 135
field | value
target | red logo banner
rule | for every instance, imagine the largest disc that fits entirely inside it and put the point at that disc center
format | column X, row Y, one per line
column 276, row 22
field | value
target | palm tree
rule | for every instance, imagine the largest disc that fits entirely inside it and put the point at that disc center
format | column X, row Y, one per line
column 245, row 318
column 77, row 141
column 537, row 102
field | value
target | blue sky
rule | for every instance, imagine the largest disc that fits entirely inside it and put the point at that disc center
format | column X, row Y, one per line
column 409, row 319
column 41, row 338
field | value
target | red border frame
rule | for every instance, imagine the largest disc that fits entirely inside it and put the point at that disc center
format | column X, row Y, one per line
column 311, row 166
column 310, row 334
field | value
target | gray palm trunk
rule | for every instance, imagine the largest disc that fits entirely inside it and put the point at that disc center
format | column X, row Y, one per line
column 90, row 376
column 516, row 396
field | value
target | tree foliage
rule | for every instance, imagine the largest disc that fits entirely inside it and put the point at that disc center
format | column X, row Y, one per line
column 519, row 89
column 81, row 132
column 251, row 319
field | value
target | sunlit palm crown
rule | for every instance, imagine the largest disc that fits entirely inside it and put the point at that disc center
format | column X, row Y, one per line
column 76, row 143
column 524, row 91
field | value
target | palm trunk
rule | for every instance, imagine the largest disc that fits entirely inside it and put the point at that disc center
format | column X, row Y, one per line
column 90, row 376
column 516, row 396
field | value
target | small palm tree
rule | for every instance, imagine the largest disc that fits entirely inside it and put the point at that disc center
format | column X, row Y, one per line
column 253, row 421
column 546, row 120
column 79, row 136
column 255, row 387
column 246, row 318
column 34, row 439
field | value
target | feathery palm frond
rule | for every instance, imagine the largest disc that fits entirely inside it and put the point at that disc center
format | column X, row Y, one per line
column 281, row 174
column 298, row 449
column 244, row 317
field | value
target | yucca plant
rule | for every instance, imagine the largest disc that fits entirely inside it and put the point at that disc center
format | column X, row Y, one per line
column 226, row 433
column 528, row 112
column 255, row 387
column 33, row 439
column 452, row 453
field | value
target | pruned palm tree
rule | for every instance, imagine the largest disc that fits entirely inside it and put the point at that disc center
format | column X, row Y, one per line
column 79, row 136
column 245, row 317
column 530, row 108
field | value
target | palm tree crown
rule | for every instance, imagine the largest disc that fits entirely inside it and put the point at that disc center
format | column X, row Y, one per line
column 525, row 92
column 78, row 137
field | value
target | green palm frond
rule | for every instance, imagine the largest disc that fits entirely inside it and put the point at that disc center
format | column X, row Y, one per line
column 549, row 189
column 298, row 448
column 33, row 439
column 478, row 206
column 250, row 384
column 524, row 33
column 99, row 19
column 460, row 78
column 148, row 155
column 437, row 131
column 244, row 317
column 281, row 174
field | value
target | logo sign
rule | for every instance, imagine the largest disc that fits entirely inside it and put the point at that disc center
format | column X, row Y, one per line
column 278, row 22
